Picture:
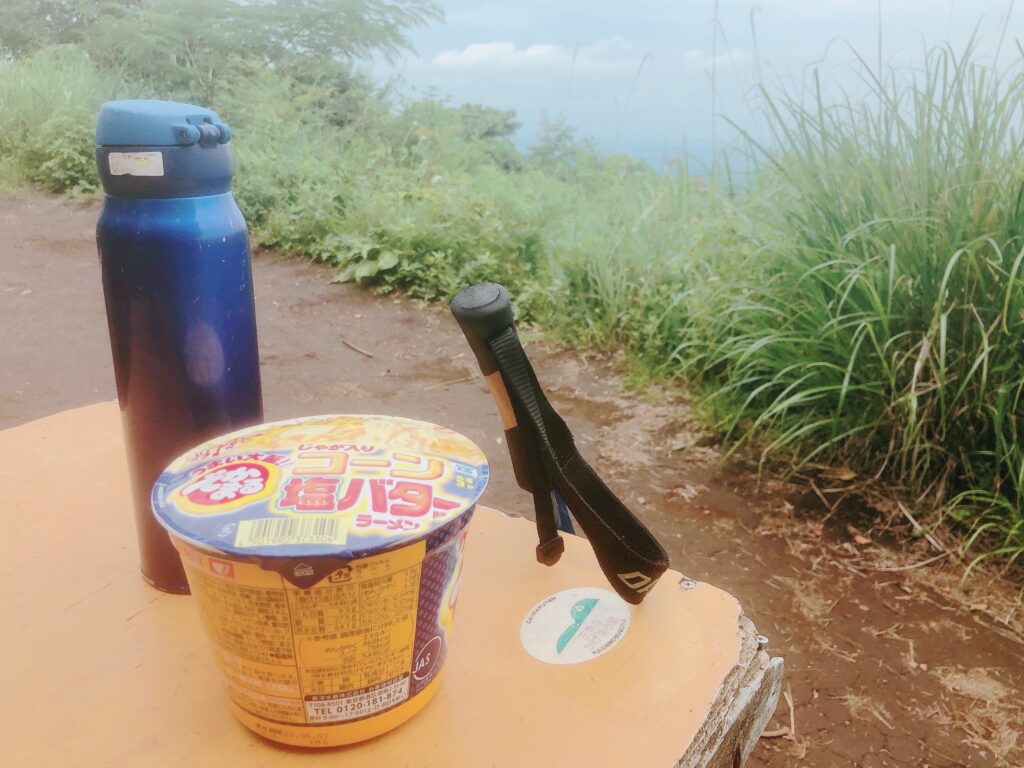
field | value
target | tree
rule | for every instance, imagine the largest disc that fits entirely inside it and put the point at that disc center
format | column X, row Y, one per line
column 558, row 150
column 185, row 48
column 27, row 25
column 334, row 29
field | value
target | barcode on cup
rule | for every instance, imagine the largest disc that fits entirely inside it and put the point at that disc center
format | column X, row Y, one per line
column 276, row 531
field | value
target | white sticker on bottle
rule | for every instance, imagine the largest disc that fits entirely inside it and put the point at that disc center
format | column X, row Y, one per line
column 136, row 163
column 575, row 625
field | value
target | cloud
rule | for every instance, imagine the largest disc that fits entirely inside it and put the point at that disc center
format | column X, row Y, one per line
column 609, row 54
column 699, row 60
column 501, row 55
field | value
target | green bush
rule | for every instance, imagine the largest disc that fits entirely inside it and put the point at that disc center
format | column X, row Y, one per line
column 60, row 156
column 48, row 107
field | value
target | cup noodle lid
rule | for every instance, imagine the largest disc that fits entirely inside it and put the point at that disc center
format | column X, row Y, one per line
column 345, row 486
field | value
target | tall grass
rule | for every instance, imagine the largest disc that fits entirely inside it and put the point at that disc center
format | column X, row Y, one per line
column 48, row 109
column 878, row 319
column 858, row 299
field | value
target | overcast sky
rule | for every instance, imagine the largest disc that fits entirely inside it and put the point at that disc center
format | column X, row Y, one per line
column 635, row 75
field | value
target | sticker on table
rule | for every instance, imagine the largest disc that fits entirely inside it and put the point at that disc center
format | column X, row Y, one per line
column 575, row 625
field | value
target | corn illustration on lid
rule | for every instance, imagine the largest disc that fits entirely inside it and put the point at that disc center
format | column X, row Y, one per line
column 325, row 485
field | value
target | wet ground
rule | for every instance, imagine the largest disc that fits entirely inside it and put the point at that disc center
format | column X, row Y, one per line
column 890, row 660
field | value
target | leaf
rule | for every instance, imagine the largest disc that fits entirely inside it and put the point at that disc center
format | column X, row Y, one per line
column 387, row 260
column 366, row 269
column 838, row 473
column 346, row 274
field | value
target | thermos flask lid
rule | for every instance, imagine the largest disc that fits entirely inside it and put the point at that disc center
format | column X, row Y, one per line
column 155, row 123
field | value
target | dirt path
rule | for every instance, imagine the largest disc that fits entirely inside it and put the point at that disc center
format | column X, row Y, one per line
column 885, row 667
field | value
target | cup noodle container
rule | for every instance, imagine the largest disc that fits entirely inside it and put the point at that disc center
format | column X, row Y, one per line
column 325, row 555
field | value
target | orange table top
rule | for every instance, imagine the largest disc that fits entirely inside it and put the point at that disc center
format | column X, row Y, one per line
column 103, row 670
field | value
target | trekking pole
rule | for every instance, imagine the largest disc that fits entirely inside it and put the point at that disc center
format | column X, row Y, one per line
column 544, row 456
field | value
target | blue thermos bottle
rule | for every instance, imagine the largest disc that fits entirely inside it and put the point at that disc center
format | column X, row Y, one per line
column 178, row 287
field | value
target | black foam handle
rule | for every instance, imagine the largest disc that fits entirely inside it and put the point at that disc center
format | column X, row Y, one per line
column 483, row 311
